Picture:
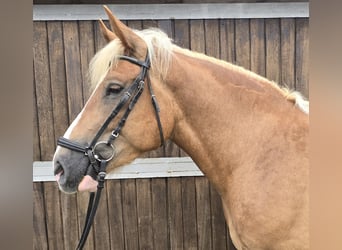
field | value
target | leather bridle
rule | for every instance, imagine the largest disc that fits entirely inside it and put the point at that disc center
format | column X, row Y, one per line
column 98, row 162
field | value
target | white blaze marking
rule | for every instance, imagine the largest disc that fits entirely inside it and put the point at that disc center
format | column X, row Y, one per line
column 73, row 125
column 69, row 130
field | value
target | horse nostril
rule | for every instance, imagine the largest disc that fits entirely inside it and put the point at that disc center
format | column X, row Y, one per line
column 58, row 168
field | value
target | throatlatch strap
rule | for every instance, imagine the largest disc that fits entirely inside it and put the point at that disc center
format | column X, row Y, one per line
column 157, row 111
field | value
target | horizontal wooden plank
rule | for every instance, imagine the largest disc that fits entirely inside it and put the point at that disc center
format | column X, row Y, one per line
column 140, row 168
column 153, row 1
column 171, row 11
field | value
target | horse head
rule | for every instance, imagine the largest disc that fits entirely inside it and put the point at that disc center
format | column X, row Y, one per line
column 119, row 110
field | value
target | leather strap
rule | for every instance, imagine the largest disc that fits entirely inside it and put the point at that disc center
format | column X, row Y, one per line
column 133, row 60
column 124, row 99
column 93, row 205
column 75, row 146
column 97, row 168
column 115, row 133
column 157, row 111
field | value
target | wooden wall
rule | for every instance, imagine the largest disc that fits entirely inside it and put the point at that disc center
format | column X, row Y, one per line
column 155, row 1
column 157, row 213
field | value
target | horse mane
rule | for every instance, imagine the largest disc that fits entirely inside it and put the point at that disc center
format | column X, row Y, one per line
column 292, row 96
column 296, row 98
column 160, row 48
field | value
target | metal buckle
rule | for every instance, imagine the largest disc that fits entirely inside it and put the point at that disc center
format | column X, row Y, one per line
column 141, row 84
column 115, row 134
column 108, row 146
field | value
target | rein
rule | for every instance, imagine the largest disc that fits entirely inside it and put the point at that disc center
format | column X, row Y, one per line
column 98, row 162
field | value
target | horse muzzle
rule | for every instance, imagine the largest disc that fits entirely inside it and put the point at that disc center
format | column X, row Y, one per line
column 69, row 169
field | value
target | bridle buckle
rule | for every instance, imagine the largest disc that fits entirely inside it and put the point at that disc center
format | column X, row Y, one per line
column 115, row 134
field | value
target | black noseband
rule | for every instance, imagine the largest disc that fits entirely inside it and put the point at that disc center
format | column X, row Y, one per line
column 98, row 162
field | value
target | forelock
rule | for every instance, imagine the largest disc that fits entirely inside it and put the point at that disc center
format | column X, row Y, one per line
column 159, row 47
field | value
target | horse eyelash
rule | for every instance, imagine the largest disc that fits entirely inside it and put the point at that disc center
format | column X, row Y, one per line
column 114, row 88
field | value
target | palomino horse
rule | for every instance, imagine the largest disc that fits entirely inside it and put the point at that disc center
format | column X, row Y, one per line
column 246, row 134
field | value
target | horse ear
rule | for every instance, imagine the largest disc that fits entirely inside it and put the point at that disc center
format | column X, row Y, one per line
column 108, row 34
column 131, row 41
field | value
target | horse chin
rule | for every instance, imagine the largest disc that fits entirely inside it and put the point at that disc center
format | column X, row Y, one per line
column 66, row 187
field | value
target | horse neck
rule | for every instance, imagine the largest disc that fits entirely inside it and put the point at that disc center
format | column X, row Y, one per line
column 222, row 111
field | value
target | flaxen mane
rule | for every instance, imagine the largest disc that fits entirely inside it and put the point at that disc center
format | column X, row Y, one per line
column 160, row 49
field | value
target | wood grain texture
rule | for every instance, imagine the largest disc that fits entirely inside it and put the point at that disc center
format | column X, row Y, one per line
column 242, row 43
column 212, row 38
column 203, row 213
column 129, row 214
column 272, row 31
column 82, row 205
column 218, row 223
column 73, row 69
column 302, row 56
column 101, row 224
column 182, row 33
column 70, row 229
column 288, row 51
column 175, row 216
column 167, row 26
column 197, row 42
column 53, row 215
column 188, row 201
column 115, row 214
column 159, row 213
column 40, row 237
column 135, row 24
column 58, row 78
column 43, row 91
column 257, row 29
column 35, row 135
column 87, row 51
column 227, row 40
column 144, row 213
column 99, row 41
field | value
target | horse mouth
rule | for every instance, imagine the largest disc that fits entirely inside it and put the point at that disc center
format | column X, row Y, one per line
column 73, row 181
column 65, row 181
column 59, row 171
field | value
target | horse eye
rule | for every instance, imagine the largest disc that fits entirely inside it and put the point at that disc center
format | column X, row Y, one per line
column 114, row 89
